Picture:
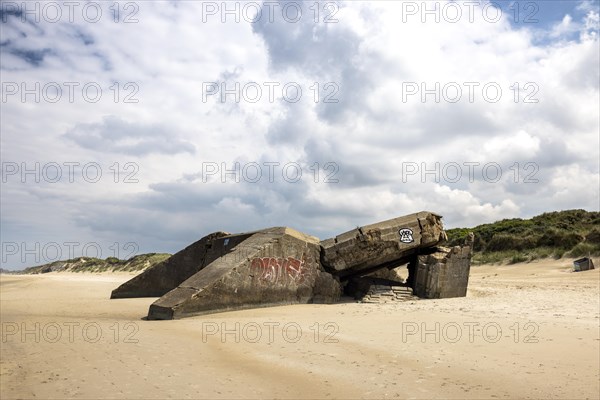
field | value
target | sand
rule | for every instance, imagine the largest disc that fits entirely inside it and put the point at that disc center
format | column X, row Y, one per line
column 524, row 331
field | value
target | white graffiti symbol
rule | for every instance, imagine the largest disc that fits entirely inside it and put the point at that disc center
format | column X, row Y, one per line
column 406, row 235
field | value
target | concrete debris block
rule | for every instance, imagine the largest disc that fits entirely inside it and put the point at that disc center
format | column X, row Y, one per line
column 432, row 230
column 385, row 244
column 368, row 289
column 388, row 294
column 326, row 288
column 167, row 275
column 271, row 267
column 443, row 273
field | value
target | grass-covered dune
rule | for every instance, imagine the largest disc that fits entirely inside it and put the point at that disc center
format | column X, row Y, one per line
column 90, row 264
column 570, row 233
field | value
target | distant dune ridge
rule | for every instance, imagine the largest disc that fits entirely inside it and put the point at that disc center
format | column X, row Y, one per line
column 91, row 264
column 571, row 233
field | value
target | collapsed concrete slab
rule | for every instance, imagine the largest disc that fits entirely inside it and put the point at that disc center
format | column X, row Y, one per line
column 167, row 275
column 382, row 245
column 270, row 267
column 443, row 273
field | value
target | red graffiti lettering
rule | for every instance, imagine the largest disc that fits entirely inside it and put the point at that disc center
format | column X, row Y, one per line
column 279, row 270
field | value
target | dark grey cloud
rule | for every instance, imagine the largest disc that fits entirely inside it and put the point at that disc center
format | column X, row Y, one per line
column 314, row 47
column 347, row 93
column 18, row 37
column 324, row 52
column 554, row 153
column 181, row 197
column 291, row 129
column 105, row 63
column 6, row 12
column 70, row 44
column 34, row 58
column 430, row 126
column 116, row 135
column 86, row 38
column 182, row 211
column 365, row 169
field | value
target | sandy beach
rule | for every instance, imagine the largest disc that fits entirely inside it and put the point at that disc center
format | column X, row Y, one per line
column 523, row 331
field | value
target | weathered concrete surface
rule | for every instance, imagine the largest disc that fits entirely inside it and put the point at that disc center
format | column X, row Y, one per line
column 270, row 267
column 167, row 275
column 443, row 273
column 385, row 244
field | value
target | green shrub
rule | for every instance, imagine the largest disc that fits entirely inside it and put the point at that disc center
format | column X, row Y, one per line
column 488, row 258
column 544, row 252
column 570, row 240
column 584, row 249
column 558, row 254
column 518, row 258
column 593, row 236
column 502, row 242
column 563, row 240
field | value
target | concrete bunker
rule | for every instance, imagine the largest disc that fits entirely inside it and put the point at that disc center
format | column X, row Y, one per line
column 277, row 266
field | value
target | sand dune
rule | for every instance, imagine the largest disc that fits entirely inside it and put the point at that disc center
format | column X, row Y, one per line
column 523, row 331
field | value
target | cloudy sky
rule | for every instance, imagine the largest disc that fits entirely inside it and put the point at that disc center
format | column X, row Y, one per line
column 135, row 127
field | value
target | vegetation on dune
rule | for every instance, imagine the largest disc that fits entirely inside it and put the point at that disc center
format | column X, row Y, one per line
column 91, row 264
column 571, row 233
